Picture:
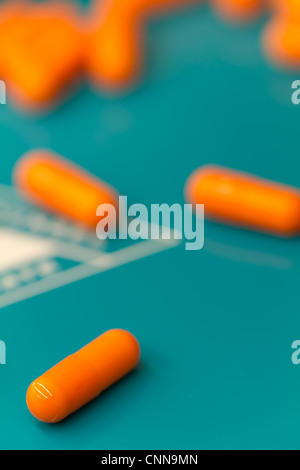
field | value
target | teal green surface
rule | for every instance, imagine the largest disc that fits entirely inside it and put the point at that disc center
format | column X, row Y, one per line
column 215, row 326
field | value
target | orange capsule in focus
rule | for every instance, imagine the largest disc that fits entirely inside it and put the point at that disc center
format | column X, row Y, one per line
column 245, row 200
column 81, row 377
column 60, row 186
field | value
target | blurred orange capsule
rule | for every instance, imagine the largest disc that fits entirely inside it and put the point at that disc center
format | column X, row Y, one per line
column 287, row 8
column 115, row 43
column 244, row 200
column 58, row 185
column 239, row 10
column 281, row 41
column 160, row 6
column 10, row 12
column 81, row 377
column 114, row 52
column 40, row 51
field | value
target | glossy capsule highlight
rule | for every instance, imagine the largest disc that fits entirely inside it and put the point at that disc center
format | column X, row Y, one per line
column 244, row 200
column 81, row 377
column 62, row 187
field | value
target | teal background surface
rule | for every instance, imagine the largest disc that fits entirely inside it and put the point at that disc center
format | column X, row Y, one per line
column 215, row 326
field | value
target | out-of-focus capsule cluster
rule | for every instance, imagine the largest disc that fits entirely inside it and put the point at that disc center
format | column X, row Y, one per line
column 45, row 48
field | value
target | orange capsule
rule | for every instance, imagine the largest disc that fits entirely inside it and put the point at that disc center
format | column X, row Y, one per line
column 60, row 186
column 114, row 52
column 244, row 200
column 81, row 377
column 40, row 51
column 287, row 8
column 239, row 10
column 281, row 41
column 160, row 6
column 115, row 43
